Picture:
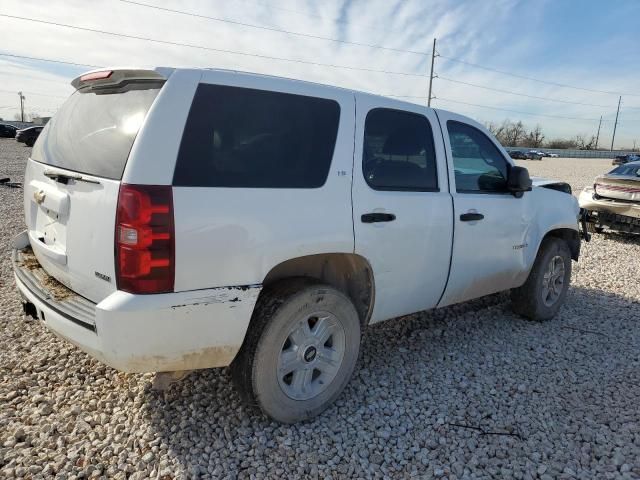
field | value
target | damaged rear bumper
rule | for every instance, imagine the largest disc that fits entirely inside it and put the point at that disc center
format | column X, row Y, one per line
column 140, row 333
column 590, row 203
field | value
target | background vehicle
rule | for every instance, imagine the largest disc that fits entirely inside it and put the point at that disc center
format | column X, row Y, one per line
column 614, row 200
column 173, row 236
column 29, row 135
column 553, row 155
column 534, row 155
column 518, row 155
column 622, row 159
column 7, row 131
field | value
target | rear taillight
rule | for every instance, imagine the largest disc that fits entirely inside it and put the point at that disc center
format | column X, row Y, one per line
column 96, row 75
column 145, row 253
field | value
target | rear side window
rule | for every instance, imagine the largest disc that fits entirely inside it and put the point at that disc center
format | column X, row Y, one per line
column 239, row 137
column 93, row 132
column 398, row 151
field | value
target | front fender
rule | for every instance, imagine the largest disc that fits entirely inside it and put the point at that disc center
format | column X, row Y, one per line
column 553, row 213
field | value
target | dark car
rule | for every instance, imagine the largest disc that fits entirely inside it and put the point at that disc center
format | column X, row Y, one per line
column 518, row 155
column 7, row 131
column 622, row 159
column 28, row 136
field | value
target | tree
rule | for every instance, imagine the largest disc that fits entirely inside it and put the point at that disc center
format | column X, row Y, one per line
column 583, row 144
column 28, row 117
column 561, row 143
column 535, row 137
column 514, row 133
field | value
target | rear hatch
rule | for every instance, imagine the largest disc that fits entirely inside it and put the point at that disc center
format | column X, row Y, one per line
column 73, row 177
column 618, row 187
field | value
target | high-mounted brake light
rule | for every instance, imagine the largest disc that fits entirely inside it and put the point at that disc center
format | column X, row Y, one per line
column 145, row 252
column 96, row 76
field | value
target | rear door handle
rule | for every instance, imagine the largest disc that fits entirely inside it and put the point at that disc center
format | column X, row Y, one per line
column 377, row 217
column 471, row 217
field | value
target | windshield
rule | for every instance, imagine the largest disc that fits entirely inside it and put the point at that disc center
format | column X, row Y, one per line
column 93, row 132
column 627, row 170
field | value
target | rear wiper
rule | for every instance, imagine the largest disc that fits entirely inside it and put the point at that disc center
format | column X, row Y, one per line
column 65, row 177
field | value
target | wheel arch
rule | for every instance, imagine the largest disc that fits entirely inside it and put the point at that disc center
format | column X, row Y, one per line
column 350, row 273
column 570, row 236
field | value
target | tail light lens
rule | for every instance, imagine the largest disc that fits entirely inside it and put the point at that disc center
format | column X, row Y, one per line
column 145, row 247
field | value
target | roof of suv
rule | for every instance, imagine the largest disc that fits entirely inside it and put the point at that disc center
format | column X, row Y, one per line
column 165, row 72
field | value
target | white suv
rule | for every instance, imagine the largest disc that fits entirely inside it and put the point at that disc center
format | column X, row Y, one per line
column 180, row 219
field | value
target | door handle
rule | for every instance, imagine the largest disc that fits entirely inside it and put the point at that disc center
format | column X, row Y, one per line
column 377, row 217
column 471, row 217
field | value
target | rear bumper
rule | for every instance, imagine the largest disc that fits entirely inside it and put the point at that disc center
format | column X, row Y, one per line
column 142, row 333
column 625, row 209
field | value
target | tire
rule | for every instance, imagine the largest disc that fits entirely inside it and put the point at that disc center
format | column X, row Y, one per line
column 282, row 331
column 531, row 300
column 29, row 143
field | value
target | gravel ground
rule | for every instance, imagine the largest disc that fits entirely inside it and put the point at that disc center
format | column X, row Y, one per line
column 470, row 391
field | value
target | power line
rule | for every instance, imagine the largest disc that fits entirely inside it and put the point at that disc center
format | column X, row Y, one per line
column 272, row 29
column 520, row 94
column 46, row 60
column 517, row 111
column 34, row 93
column 564, row 85
column 23, row 75
column 201, row 47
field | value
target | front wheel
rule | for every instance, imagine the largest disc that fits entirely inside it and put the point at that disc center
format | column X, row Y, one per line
column 300, row 351
column 544, row 292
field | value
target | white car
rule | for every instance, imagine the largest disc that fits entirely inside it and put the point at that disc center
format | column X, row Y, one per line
column 180, row 219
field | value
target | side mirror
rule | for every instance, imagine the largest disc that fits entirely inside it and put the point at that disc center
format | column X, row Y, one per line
column 518, row 181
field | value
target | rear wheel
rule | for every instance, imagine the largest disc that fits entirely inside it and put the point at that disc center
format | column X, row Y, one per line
column 300, row 351
column 544, row 292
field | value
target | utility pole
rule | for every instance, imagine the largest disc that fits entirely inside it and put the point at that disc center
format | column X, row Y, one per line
column 598, row 134
column 615, row 125
column 22, row 98
column 433, row 58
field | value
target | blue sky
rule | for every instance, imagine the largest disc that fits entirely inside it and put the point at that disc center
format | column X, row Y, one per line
column 590, row 44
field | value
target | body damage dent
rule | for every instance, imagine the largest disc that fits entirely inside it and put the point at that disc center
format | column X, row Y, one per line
column 224, row 295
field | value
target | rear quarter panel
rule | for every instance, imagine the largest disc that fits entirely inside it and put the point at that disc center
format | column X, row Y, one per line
column 235, row 236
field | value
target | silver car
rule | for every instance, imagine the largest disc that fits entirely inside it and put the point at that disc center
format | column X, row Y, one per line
column 614, row 200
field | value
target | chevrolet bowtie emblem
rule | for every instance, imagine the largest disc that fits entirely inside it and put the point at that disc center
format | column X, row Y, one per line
column 39, row 196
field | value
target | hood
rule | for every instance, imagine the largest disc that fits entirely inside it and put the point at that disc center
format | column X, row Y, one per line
column 558, row 185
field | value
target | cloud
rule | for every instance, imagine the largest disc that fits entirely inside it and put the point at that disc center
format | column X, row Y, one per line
column 480, row 32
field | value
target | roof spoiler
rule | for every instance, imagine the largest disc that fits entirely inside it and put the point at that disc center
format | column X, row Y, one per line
column 114, row 77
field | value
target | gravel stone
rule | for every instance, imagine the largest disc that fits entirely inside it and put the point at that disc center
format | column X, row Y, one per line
column 468, row 391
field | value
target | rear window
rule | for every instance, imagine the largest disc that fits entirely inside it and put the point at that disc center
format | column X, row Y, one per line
column 629, row 170
column 239, row 137
column 93, row 132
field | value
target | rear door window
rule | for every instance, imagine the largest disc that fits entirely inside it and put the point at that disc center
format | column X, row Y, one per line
column 246, row 138
column 398, row 151
column 93, row 132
